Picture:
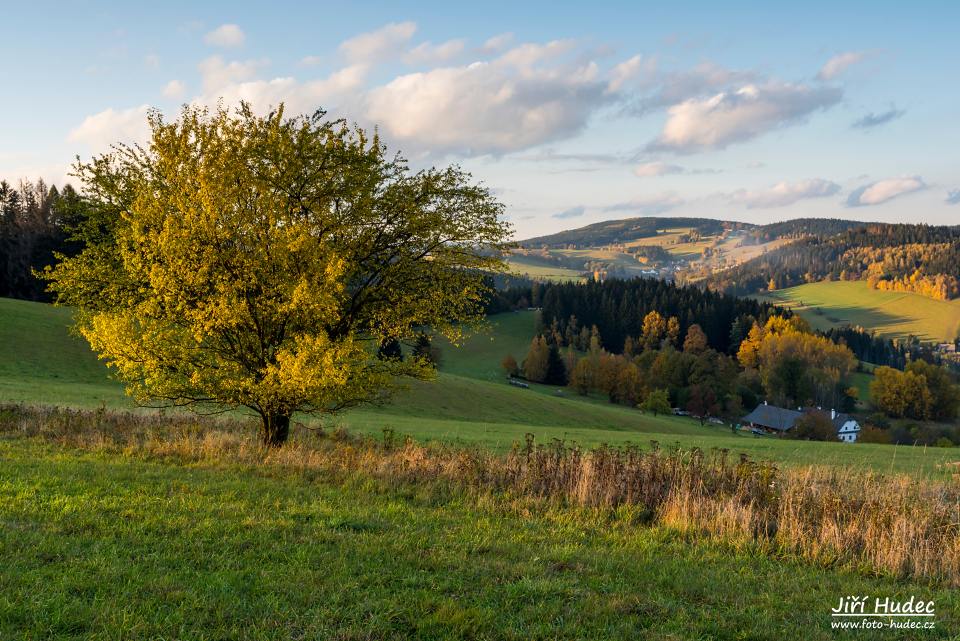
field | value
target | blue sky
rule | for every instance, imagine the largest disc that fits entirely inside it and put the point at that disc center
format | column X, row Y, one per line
column 572, row 112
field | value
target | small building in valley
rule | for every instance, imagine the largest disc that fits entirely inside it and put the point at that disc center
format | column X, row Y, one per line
column 772, row 419
column 848, row 429
column 779, row 420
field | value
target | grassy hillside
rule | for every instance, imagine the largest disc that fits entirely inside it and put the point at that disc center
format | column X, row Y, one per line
column 893, row 314
column 112, row 546
column 622, row 231
column 530, row 267
column 470, row 402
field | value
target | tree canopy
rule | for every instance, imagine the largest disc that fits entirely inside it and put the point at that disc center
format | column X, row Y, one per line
column 257, row 261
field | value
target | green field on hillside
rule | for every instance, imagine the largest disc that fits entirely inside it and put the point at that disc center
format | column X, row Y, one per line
column 110, row 546
column 542, row 270
column 893, row 314
column 469, row 403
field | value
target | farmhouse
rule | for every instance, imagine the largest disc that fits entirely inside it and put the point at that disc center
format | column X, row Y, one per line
column 772, row 419
column 778, row 420
column 847, row 427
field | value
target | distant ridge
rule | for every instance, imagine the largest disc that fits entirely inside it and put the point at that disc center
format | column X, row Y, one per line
column 628, row 229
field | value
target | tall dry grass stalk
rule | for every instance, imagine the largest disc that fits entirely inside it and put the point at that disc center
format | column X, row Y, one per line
column 890, row 525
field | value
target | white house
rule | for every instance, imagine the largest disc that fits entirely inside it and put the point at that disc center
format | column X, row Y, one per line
column 847, row 427
column 772, row 419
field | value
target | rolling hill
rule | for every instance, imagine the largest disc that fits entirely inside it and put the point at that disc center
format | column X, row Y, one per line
column 469, row 403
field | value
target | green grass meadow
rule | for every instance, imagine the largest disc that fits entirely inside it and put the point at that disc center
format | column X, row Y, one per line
column 893, row 314
column 106, row 546
column 542, row 270
column 469, row 403
column 109, row 545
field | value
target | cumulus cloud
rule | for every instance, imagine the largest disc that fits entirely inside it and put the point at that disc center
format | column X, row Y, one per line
column 174, row 90
column 649, row 169
column 428, row 53
column 526, row 97
column 109, row 126
column 953, row 197
column 784, row 193
column 884, row 190
column 736, row 116
column 299, row 97
column 217, row 73
column 705, row 79
column 226, row 35
column 872, row 120
column 497, row 43
column 379, row 45
column 650, row 205
column 512, row 98
column 636, row 68
column 836, row 65
column 573, row 212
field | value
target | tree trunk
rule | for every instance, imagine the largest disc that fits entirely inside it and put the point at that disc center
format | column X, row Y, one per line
column 275, row 429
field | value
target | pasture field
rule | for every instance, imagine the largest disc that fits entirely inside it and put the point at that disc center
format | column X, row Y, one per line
column 893, row 314
column 469, row 403
column 669, row 239
column 113, row 545
column 541, row 270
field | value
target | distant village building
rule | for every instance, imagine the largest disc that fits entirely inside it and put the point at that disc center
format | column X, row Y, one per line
column 772, row 419
column 847, row 427
column 779, row 420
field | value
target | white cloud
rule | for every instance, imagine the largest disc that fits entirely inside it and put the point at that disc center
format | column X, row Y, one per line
column 528, row 54
column 784, row 193
column 110, row 126
column 227, row 35
column 637, row 67
column 152, row 60
column 298, row 97
column 379, row 45
column 953, row 197
column 427, row 53
column 731, row 117
column 884, row 190
column 53, row 174
column 527, row 97
column 705, row 79
column 311, row 61
column 650, row 169
column 497, row 43
column 174, row 90
column 218, row 74
column 840, row 63
column 650, row 205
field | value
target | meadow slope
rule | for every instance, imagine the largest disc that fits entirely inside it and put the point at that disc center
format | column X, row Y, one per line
column 892, row 314
column 112, row 545
column 469, row 403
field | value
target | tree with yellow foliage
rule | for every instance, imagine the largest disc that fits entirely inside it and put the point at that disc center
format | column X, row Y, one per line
column 654, row 330
column 258, row 262
column 795, row 365
column 901, row 394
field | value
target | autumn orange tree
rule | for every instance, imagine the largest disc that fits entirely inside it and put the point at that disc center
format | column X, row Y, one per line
column 258, row 262
column 795, row 365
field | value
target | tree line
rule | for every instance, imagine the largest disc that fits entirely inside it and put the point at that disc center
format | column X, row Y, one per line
column 619, row 307
column 920, row 258
column 34, row 223
column 780, row 360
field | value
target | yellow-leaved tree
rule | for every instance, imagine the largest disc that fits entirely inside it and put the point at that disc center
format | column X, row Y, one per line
column 247, row 261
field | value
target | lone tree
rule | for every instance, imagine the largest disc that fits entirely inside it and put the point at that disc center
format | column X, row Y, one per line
column 252, row 261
